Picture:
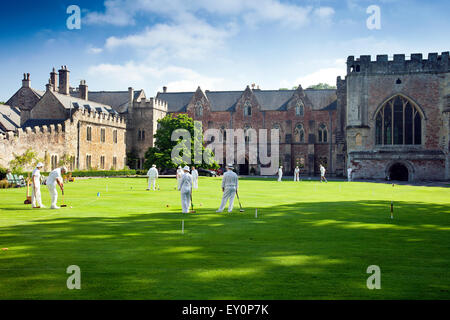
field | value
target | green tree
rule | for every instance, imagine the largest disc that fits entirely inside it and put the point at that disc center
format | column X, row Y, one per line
column 66, row 160
column 322, row 86
column 20, row 162
column 132, row 159
column 160, row 154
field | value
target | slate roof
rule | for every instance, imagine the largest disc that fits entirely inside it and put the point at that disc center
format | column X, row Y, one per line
column 270, row 100
column 70, row 102
column 41, row 122
column 116, row 99
column 9, row 117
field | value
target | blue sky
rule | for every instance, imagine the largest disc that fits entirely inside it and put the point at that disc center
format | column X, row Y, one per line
column 219, row 45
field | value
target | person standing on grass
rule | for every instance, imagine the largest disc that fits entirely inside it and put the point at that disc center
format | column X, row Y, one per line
column 36, row 201
column 55, row 177
column 185, row 189
column 349, row 173
column 297, row 174
column 280, row 173
column 229, row 188
column 179, row 175
column 152, row 176
column 322, row 174
column 194, row 174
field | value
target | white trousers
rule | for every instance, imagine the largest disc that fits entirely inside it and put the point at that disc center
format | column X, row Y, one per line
column 53, row 193
column 195, row 180
column 349, row 178
column 296, row 177
column 279, row 177
column 185, row 199
column 36, row 196
column 152, row 183
column 228, row 194
column 178, row 183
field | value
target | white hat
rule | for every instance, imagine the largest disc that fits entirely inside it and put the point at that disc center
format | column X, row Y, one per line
column 154, row 166
column 39, row 165
column 179, row 167
column 64, row 168
column 281, row 167
column 186, row 168
column 230, row 166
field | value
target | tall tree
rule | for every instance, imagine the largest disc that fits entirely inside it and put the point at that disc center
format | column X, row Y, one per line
column 322, row 86
column 161, row 153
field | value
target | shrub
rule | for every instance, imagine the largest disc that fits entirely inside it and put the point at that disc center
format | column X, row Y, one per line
column 103, row 173
column 2, row 173
column 4, row 184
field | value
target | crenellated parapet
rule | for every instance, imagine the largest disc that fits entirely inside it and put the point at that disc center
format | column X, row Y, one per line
column 399, row 64
column 100, row 118
column 151, row 103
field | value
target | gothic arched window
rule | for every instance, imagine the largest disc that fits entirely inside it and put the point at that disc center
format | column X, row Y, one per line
column 198, row 109
column 323, row 133
column 398, row 122
column 299, row 109
column 299, row 133
column 247, row 108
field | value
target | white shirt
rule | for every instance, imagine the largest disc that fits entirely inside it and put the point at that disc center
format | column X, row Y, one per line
column 194, row 174
column 186, row 182
column 152, row 173
column 53, row 176
column 349, row 171
column 36, row 176
column 180, row 173
column 297, row 170
column 280, row 172
column 230, row 180
column 322, row 171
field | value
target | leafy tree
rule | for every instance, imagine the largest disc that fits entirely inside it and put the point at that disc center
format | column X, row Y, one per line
column 322, row 86
column 24, row 160
column 132, row 158
column 160, row 154
column 2, row 102
column 66, row 160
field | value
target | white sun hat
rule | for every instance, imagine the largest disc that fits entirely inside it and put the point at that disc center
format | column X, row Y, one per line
column 39, row 165
column 186, row 168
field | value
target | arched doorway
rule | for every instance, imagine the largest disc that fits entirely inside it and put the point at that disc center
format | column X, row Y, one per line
column 244, row 168
column 399, row 172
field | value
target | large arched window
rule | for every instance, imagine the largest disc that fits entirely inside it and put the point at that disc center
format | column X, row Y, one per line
column 247, row 108
column 299, row 109
column 299, row 133
column 323, row 133
column 198, row 109
column 398, row 122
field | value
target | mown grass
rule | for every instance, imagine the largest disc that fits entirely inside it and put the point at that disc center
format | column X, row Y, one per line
column 309, row 241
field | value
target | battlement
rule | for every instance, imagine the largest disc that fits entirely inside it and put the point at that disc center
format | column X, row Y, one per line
column 31, row 132
column 99, row 118
column 399, row 64
column 151, row 103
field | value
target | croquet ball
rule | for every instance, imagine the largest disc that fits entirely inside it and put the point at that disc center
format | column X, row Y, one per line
column 70, row 207
column 4, row 249
column 167, row 205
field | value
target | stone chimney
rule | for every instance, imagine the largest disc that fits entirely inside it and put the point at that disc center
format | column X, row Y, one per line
column 49, row 85
column 26, row 80
column 64, row 80
column 130, row 97
column 164, row 89
column 53, row 79
column 83, row 89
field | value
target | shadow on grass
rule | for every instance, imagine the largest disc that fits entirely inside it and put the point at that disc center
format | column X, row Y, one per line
column 296, row 251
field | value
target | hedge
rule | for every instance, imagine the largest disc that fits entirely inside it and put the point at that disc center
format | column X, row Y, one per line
column 103, row 173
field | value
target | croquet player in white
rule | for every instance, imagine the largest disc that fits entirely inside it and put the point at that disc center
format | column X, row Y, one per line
column 280, row 173
column 179, row 175
column 297, row 174
column 194, row 174
column 55, row 177
column 152, row 174
column 349, row 173
column 186, row 189
column 322, row 174
column 229, row 188
column 36, row 186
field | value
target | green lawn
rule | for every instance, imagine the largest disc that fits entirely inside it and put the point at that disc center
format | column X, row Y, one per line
column 310, row 241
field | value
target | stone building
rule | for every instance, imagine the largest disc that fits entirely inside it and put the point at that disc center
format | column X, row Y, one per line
column 398, row 116
column 307, row 121
column 386, row 119
column 58, row 126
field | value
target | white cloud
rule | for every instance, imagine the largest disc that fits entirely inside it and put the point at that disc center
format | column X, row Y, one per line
column 141, row 75
column 326, row 75
column 94, row 50
column 190, row 39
